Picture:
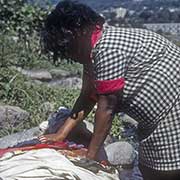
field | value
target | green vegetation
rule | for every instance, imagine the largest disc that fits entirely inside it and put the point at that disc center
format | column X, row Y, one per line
column 20, row 25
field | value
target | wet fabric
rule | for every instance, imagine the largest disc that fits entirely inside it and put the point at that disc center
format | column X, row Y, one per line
column 55, row 145
column 149, row 64
column 46, row 164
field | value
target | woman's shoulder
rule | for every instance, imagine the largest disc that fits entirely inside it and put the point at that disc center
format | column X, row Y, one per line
column 116, row 37
column 119, row 36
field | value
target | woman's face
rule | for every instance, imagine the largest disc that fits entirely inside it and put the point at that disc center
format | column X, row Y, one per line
column 79, row 52
column 74, row 55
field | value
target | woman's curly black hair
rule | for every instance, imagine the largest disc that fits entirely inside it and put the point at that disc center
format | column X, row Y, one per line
column 64, row 23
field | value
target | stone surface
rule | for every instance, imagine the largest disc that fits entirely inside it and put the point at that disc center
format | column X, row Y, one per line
column 109, row 140
column 41, row 75
column 70, row 82
column 59, row 73
column 14, row 139
column 120, row 153
column 12, row 116
column 54, row 77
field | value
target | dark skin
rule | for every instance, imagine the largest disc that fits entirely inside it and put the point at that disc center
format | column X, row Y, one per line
column 106, row 104
column 103, row 121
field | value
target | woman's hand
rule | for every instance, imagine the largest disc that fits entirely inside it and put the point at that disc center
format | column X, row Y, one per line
column 50, row 138
column 63, row 132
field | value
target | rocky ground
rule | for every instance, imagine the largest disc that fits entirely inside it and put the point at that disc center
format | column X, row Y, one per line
column 54, row 77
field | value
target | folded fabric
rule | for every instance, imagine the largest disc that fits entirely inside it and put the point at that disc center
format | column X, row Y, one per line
column 45, row 164
column 26, row 146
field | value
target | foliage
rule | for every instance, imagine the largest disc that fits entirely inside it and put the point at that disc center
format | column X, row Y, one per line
column 20, row 35
column 14, row 52
column 21, row 17
column 20, row 27
column 116, row 129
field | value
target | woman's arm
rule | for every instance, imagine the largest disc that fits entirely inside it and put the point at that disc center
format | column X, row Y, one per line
column 81, row 109
column 103, row 120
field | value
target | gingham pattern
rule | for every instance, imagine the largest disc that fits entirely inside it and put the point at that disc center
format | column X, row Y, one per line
column 161, row 150
column 150, row 65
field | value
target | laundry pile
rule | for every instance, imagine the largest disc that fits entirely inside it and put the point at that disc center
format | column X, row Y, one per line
column 50, row 164
column 29, row 159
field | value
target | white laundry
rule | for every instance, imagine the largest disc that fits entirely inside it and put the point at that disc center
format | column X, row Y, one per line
column 46, row 164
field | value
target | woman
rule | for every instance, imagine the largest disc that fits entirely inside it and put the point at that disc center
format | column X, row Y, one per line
column 131, row 70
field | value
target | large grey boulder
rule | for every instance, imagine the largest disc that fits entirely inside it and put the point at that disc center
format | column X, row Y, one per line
column 120, row 153
column 123, row 156
column 14, row 139
column 11, row 116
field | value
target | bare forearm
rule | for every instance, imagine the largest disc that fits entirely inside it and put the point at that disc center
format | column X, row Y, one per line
column 80, row 110
column 103, row 122
column 83, row 103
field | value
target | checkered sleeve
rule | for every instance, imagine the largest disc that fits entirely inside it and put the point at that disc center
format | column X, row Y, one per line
column 110, row 67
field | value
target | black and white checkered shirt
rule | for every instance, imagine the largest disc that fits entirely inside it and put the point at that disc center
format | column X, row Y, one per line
column 150, row 65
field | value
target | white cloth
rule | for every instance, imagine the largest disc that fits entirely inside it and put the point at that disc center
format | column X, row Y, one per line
column 46, row 164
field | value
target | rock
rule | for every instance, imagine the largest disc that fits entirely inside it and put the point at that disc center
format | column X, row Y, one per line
column 109, row 140
column 120, row 153
column 41, row 75
column 14, row 139
column 59, row 73
column 70, row 82
column 12, row 116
